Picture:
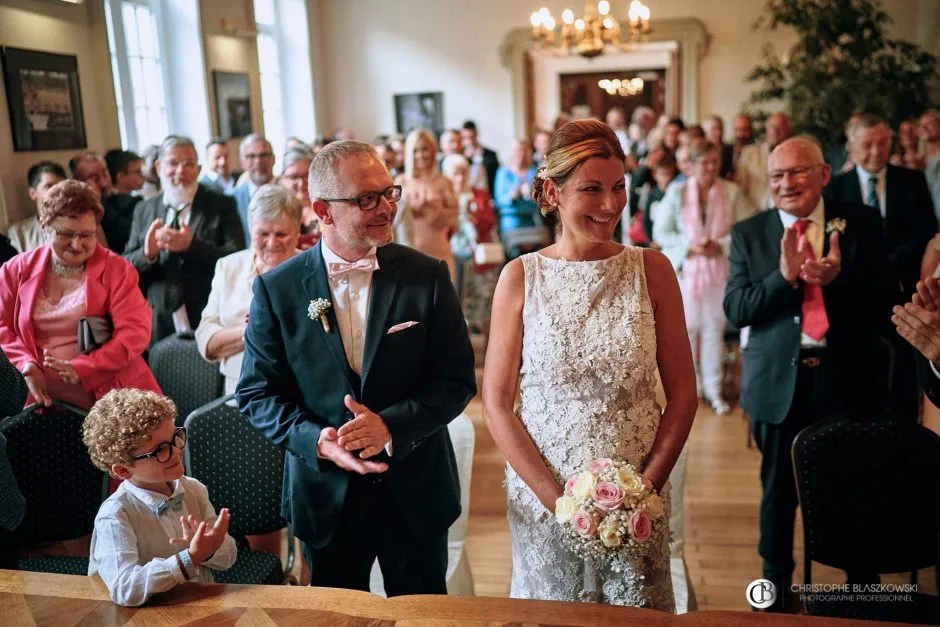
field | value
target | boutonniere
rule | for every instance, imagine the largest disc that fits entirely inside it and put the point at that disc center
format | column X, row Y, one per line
column 836, row 224
column 317, row 309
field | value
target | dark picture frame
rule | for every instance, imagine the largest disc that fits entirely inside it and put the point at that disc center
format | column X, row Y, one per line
column 232, row 104
column 44, row 99
column 421, row 110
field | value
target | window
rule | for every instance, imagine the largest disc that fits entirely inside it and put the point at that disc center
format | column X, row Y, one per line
column 138, row 72
column 269, row 66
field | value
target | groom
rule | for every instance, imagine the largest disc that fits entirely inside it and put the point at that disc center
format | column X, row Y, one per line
column 361, row 395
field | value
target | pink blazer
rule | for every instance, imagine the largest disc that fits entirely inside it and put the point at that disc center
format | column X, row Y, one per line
column 110, row 289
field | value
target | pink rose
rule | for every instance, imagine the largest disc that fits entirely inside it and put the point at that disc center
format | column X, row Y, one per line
column 584, row 524
column 607, row 495
column 639, row 525
column 599, row 465
column 569, row 485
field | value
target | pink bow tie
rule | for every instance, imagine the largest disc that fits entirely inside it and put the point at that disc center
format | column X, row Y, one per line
column 366, row 264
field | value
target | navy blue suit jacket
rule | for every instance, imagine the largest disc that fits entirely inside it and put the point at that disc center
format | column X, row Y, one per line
column 858, row 306
column 295, row 375
column 909, row 221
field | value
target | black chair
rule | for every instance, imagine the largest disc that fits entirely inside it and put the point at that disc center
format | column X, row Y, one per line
column 244, row 472
column 184, row 375
column 62, row 488
column 870, row 500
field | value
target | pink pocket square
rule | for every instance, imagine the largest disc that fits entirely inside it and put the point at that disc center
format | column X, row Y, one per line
column 401, row 327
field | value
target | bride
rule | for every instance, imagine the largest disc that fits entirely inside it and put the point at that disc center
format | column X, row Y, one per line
column 582, row 327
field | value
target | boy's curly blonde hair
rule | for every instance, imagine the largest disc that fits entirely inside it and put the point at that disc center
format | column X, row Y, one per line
column 120, row 422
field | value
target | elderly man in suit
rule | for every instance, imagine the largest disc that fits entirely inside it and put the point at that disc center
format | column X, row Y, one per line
column 902, row 198
column 751, row 174
column 176, row 238
column 257, row 159
column 808, row 279
column 356, row 358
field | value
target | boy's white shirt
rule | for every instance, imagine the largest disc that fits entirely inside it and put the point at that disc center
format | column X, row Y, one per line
column 130, row 546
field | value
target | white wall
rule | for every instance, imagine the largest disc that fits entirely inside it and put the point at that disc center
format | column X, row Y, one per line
column 373, row 49
column 54, row 26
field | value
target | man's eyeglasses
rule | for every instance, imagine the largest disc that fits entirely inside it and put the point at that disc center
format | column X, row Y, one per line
column 164, row 450
column 368, row 202
column 186, row 165
column 68, row 236
column 800, row 173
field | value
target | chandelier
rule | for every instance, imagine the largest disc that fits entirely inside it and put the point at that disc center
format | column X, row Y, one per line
column 625, row 87
column 589, row 34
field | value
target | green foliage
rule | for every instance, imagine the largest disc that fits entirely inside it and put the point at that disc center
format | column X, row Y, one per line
column 842, row 62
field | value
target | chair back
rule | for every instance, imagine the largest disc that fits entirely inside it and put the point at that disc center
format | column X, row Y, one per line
column 462, row 437
column 242, row 469
column 184, row 376
column 869, row 494
column 62, row 488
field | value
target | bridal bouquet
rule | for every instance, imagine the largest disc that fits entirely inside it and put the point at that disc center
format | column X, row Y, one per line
column 607, row 512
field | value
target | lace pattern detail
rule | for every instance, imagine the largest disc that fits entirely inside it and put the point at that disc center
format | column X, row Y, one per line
column 588, row 390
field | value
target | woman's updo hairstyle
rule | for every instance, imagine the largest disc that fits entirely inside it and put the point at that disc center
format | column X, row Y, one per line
column 571, row 145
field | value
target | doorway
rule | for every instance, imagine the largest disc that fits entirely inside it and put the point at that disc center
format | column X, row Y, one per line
column 592, row 94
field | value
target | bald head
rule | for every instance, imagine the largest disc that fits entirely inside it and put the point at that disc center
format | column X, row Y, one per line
column 797, row 174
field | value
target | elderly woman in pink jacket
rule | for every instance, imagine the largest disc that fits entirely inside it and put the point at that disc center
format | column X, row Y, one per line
column 45, row 292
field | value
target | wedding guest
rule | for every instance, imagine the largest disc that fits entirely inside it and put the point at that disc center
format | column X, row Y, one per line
column 218, row 172
column 159, row 528
column 743, row 136
column 693, row 225
column 295, row 143
column 26, row 234
column 294, row 178
column 45, row 292
column 151, row 185
column 124, row 167
column 257, row 159
column 617, row 121
column 714, row 128
column 671, row 133
column 751, row 175
column 929, row 131
column 479, row 155
column 809, row 279
column 520, row 225
column 476, row 225
column 90, row 167
column 907, row 152
column 274, row 218
column 178, row 236
column 540, row 141
column 428, row 209
column 643, row 119
column 664, row 171
column 582, row 327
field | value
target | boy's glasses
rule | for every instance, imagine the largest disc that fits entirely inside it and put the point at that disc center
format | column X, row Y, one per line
column 164, row 450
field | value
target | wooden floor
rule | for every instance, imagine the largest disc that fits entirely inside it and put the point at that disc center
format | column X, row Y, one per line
column 722, row 493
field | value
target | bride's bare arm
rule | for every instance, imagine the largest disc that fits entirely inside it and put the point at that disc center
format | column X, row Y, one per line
column 676, row 369
column 501, row 383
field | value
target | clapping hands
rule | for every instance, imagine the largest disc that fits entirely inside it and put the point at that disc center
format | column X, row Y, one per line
column 918, row 321
column 201, row 539
column 794, row 263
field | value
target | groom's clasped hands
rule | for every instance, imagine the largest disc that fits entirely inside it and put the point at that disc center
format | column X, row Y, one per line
column 366, row 432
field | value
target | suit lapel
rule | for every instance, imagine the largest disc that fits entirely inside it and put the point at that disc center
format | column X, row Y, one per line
column 774, row 231
column 316, row 285
column 891, row 186
column 385, row 286
column 196, row 211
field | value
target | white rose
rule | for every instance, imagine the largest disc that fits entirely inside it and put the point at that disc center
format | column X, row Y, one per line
column 583, row 486
column 565, row 507
column 607, row 532
column 654, row 505
column 628, row 480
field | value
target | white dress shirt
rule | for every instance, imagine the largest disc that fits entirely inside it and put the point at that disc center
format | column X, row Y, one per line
column 130, row 546
column 227, row 185
column 815, row 236
column 864, row 176
column 351, row 293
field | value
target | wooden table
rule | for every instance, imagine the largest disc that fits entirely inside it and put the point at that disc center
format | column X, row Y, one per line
column 67, row 600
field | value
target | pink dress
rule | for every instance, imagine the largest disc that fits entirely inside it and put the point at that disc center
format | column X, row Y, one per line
column 56, row 326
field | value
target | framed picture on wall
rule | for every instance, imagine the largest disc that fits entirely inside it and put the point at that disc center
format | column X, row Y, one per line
column 232, row 104
column 44, row 100
column 424, row 110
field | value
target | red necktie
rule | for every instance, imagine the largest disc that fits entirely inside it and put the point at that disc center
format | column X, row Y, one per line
column 815, row 321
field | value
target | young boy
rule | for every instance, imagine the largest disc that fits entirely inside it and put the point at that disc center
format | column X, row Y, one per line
column 156, row 511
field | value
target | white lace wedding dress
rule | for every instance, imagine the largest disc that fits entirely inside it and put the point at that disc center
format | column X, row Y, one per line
column 588, row 390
